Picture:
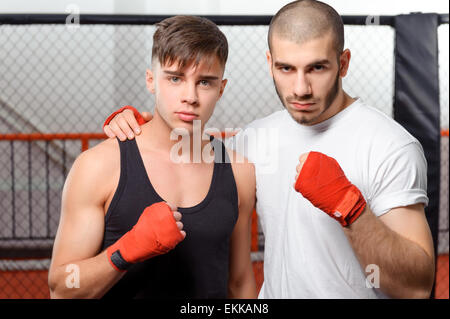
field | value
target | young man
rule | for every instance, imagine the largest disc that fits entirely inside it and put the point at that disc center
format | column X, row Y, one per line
column 356, row 207
column 116, row 228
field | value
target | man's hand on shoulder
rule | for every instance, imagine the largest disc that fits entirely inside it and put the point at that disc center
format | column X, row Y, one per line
column 125, row 123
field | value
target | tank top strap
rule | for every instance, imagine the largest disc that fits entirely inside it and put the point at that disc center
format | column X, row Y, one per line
column 220, row 153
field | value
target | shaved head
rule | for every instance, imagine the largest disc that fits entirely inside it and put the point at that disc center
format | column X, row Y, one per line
column 304, row 20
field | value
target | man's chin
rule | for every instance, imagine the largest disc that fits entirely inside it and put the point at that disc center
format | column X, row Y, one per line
column 187, row 127
column 302, row 118
column 182, row 129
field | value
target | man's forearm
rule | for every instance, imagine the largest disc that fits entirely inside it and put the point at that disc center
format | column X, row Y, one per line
column 95, row 277
column 406, row 270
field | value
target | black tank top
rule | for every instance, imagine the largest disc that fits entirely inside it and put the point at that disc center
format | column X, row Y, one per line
column 198, row 266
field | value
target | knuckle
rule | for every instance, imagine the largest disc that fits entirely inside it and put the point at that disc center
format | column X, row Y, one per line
column 113, row 126
column 129, row 116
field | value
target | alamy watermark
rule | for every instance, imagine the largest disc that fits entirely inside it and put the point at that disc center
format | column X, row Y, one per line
column 73, row 18
column 373, row 277
column 73, row 279
column 258, row 145
column 373, row 20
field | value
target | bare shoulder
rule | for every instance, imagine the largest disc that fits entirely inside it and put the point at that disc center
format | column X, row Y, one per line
column 100, row 158
column 244, row 175
column 95, row 169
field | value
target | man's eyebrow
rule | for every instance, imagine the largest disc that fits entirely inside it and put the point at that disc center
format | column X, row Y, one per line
column 318, row 62
column 208, row 77
column 174, row 73
column 281, row 64
column 204, row 77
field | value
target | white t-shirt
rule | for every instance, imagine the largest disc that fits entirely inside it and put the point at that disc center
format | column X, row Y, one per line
column 307, row 254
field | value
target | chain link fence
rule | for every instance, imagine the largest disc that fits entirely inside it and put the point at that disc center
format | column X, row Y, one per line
column 60, row 80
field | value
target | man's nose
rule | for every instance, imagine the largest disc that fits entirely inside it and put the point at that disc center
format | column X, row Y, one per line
column 190, row 95
column 302, row 85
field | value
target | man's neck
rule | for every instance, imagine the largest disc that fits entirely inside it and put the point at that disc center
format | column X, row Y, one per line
column 157, row 136
column 341, row 102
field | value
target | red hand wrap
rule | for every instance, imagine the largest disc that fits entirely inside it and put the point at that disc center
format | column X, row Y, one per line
column 137, row 115
column 155, row 233
column 324, row 184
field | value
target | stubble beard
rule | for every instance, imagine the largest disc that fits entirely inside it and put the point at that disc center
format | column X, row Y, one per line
column 329, row 99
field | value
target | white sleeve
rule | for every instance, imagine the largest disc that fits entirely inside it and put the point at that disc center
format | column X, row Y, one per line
column 400, row 180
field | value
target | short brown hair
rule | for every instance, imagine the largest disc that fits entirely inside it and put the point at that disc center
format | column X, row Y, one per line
column 188, row 39
column 304, row 20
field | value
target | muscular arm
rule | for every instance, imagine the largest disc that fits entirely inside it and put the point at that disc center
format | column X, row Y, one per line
column 242, row 280
column 400, row 244
column 80, row 232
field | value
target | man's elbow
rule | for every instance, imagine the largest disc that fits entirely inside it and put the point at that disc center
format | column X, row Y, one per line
column 419, row 287
column 422, row 280
column 421, row 294
column 409, row 293
column 55, row 291
column 56, row 285
column 424, row 290
column 244, row 287
column 55, row 295
column 426, row 284
column 58, row 288
column 234, row 287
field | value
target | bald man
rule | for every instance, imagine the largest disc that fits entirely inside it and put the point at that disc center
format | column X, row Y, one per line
column 343, row 210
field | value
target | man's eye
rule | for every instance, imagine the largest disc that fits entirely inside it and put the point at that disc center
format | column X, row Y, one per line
column 318, row 67
column 174, row 79
column 286, row 68
column 204, row 82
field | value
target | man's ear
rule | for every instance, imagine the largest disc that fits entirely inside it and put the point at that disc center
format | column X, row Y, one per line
column 222, row 87
column 344, row 60
column 150, row 81
column 269, row 61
